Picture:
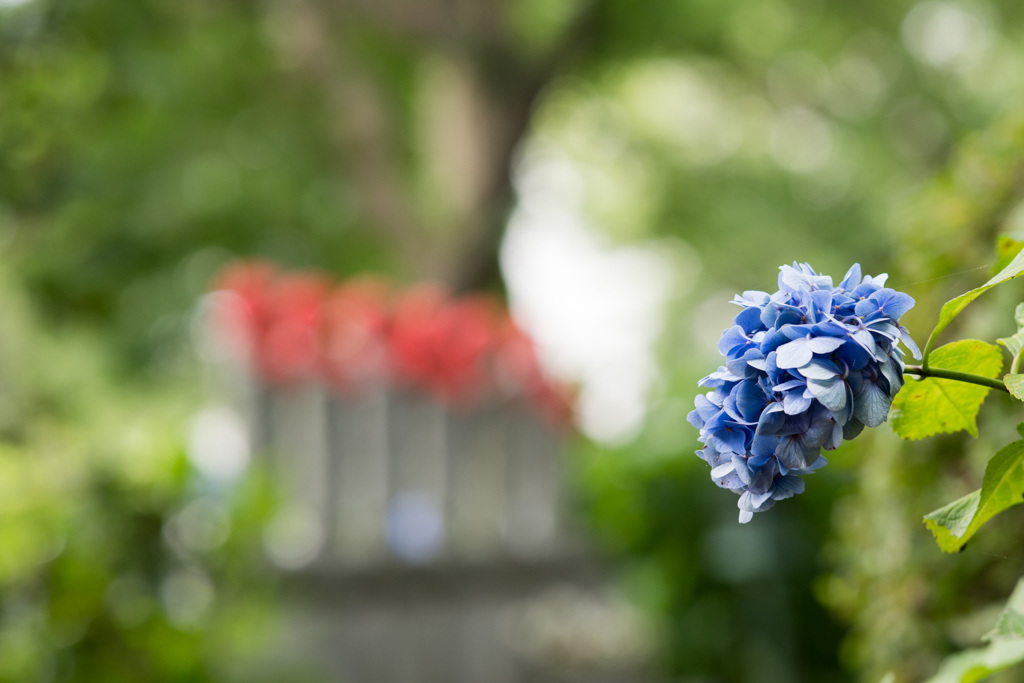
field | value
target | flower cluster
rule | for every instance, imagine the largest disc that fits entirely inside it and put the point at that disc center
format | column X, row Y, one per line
column 297, row 327
column 807, row 366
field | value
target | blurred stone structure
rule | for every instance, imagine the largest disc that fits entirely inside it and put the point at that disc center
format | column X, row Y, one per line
column 426, row 534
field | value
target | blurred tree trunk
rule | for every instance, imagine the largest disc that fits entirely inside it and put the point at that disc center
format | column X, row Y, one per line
column 473, row 95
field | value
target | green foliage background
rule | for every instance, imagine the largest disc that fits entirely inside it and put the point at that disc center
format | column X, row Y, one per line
column 143, row 143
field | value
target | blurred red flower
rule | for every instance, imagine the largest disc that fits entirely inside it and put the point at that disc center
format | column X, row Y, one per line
column 462, row 351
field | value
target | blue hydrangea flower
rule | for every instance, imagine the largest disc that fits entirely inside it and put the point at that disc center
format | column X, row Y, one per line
column 806, row 368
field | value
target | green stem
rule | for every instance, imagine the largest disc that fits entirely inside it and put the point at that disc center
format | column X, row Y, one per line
column 928, row 348
column 1015, row 363
column 920, row 371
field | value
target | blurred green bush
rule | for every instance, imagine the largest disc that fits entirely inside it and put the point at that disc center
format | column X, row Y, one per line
column 118, row 562
column 143, row 143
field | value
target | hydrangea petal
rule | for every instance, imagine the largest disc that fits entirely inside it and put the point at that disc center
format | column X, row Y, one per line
column 787, row 487
column 834, row 439
column 819, row 369
column 792, row 453
column 865, row 340
column 831, row 392
column 733, row 340
column 792, row 386
column 872, row 405
column 794, row 403
column 749, row 319
column 824, row 344
column 723, row 470
column 910, row 344
column 851, row 279
column 852, row 428
column 794, row 354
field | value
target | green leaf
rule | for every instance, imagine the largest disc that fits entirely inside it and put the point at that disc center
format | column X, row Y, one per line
column 974, row 665
column 950, row 522
column 934, row 406
column 1005, row 647
column 1010, row 623
column 953, row 307
column 954, row 524
column 1015, row 383
column 1014, row 343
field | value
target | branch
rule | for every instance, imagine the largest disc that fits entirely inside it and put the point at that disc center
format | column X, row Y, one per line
column 478, row 266
column 922, row 372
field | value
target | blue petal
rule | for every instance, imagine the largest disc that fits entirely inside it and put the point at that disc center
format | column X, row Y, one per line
column 733, row 441
column 866, row 307
column 792, row 453
column 894, row 376
column 733, row 340
column 730, row 481
column 787, row 487
column 836, row 439
column 750, row 320
column 795, row 424
column 750, row 400
column 790, row 384
column 852, row 428
column 795, row 354
column 770, row 423
column 824, row 344
column 705, row 408
column 821, row 307
column 752, row 297
column 886, row 302
column 732, row 415
column 830, row 328
column 892, row 303
column 759, row 499
column 717, row 397
column 871, row 406
column 739, row 464
column 761, row 482
column 819, row 430
column 722, row 470
column 865, row 289
column 864, row 340
column 719, row 378
column 831, row 392
column 752, row 502
column 747, row 365
column 816, row 465
column 852, row 278
column 794, row 403
column 763, row 445
column 819, row 369
column 885, row 327
column 843, row 416
column 905, row 338
column 713, row 457
column 791, row 278
column 798, row 331
column 773, row 339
